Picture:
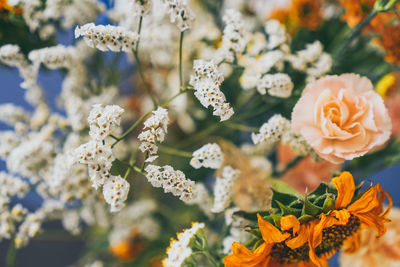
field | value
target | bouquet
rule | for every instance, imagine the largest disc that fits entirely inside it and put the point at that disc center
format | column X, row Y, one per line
column 248, row 127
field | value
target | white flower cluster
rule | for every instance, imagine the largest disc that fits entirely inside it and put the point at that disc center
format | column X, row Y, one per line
column 44, row 18
column 272, row 130
column 179, row 249
column 12, row 186
column 104, row 121
column 208, row 156
column 279, row 85
column 115, row 191
column 276, row 33
column 312, row 60
column 223, row 189
column 53, row 57
column 179, row 13
column 99, row 159
column 155, row 129
column 206, row 82
column 107, row 37
column 233, row 41
column 11, row 55
column 99, row 156
column 13, row 115
column 173, row 181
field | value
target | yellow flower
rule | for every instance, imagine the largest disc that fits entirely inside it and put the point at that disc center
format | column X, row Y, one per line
column 385, row 84
column 313, row 242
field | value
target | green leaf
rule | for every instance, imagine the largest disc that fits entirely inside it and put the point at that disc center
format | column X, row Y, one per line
column 288, row 211
column 305, row 218
column 119, row 168
column 310, row 209
column 283, row 198
column 250, row 216
column 329, row 204
column 277, row 220
column 322, row 189
column 282, row 187
column 255, row 232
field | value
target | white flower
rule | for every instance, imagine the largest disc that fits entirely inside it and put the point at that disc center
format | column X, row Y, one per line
column 223, row 189
column 233, row 41
column 179, row 249
column 272, row 130
column 173, row 181
column 276, row 34
column 12, row 114
column 179, row 13
column 155, row 129
column 102, row 121
column 279, row 85
column 55, row 57
column 208, row 156
column 71, row 221
column 107, row 37
column 99, row 158
column 115, row 191
column 11, row 55
column 206, row 82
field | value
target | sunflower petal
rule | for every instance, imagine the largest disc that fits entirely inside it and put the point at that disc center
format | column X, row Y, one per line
column 270, row 233
column 346, row 188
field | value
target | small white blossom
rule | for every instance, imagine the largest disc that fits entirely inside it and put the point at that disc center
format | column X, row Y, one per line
column 103, row 120
column 272, row 130
column 99, row 159
column 223, row 189
column 179, row 249
column 208, row 156
column 179, row 13
column 53, row 57
column 104, row 38
column 233, row 41
column 115, row 191
column 276, row 34
column 173, row 181
column 279, row 85
column 206, row 82
column 155, row 129
column 12, row 114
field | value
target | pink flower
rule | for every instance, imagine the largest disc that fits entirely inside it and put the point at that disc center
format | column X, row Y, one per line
column 341, row 117
column 393, row 104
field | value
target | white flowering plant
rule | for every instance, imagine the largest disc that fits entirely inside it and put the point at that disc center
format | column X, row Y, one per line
column 178, row 111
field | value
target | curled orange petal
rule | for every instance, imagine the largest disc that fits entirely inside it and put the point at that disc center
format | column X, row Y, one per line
column 270, row 233
column 290, row 222
column 345, row 187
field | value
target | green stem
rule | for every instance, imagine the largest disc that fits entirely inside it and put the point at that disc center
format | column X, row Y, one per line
column 139, row 30
column 180, row 61
column 146, row 85
column 11, row 257
column 241, row 127
column 141, row 119
column 174, row 152
column 133, row 127
column 131, row 163
column 355, row 32
column 138, row 170
column 210, row 258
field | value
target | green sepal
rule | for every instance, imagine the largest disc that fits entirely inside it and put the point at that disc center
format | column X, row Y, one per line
column 283, row 198
column 310, row 209
column 250, row 216
column 305, row 218
column 283, row 187
column 255, row 232
column 269, row 219
column 322, row 189
column 329, row 204
column 276, row 219
column 287, row 210
column 118, row 168
column 251, row 243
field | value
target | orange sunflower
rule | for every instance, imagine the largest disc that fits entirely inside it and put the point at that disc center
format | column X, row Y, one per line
column 312, row 242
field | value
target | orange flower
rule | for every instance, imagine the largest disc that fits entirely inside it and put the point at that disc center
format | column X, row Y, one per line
column 356, row 10
column 5, row 6
column 313, row 242
column 127, row 250
column 300, row 14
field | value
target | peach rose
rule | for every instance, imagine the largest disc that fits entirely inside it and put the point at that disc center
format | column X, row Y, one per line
column 341, row 117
